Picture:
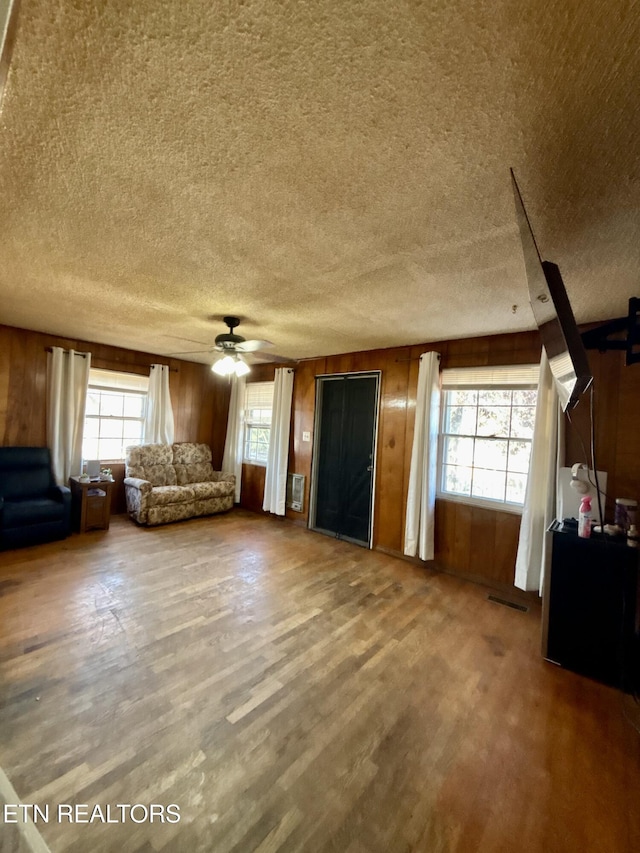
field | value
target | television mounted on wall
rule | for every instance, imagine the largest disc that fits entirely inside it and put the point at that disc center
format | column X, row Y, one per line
column 553, row 315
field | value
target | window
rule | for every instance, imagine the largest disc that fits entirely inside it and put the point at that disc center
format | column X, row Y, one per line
column 488, row 415
column 114, row 418
column 257, row 421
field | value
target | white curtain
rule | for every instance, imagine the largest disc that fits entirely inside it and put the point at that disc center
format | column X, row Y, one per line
column 67, row 380
column 275, row 483
column 421, row 499
column 158, row 422
column 232, row 458
column 547, row 452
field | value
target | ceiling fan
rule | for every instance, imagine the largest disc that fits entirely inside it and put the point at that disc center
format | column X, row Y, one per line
column 233, row 347
column 230, row 342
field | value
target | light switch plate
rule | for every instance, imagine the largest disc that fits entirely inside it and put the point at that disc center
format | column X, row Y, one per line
column 306, row 436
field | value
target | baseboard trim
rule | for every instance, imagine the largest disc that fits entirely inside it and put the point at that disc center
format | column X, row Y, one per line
column 531, row 599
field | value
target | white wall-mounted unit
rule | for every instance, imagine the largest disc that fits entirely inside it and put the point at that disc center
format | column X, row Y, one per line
column 569, row 498
column 295, row 492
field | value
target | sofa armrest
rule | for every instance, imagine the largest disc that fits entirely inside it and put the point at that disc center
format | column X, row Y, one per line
column 224, row 477
column 62, row 494
column 144, row 486
column 136, row 492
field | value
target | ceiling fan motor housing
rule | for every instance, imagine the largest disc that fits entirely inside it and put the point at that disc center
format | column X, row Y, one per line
column 229, row 340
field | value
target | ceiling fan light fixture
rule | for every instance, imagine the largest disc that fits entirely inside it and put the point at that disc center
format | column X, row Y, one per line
column 224, row 366
column 229, row 365
column 242, row 368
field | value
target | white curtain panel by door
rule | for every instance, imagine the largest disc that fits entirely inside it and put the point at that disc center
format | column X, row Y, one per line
column 158, row 422
column 547, row 457
column 232, row 458
column 275, row 483
column 67, row 381
column 421, row 498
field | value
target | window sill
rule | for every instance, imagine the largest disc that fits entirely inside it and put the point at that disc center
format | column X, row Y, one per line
column 496, row 506
column 255, row 464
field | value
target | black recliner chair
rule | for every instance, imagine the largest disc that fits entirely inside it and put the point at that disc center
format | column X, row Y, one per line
column 33, row 508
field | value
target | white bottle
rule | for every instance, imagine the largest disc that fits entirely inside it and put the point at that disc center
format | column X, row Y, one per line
column 584, row 517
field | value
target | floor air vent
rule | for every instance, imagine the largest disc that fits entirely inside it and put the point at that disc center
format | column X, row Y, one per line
column 505, row 603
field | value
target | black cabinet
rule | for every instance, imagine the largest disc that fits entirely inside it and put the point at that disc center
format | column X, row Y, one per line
column 592, row 607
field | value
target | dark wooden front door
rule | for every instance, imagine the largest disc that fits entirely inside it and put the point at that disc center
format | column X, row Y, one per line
column 344, row 482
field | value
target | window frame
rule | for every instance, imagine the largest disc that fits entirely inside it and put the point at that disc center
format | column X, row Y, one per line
column 248, row 424
column 109, row 384
column 499, row 381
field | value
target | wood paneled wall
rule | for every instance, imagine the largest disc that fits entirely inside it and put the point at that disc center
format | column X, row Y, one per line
column 469, row 541
column 616, row 390
column 472, row 542
column 252, row 492
column 200, row 399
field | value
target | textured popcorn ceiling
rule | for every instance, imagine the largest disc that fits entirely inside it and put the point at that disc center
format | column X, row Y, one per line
column 336, row 173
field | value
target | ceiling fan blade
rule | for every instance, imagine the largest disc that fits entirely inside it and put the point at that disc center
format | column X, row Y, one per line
column 189, row 352
column 272, row 356
column 191, row 340
column 253, row 346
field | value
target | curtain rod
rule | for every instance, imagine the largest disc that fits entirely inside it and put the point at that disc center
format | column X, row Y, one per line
column 132, row 364
column 418, row 357
column 457, row 355
column 118, row 363
column 66, row 352
column 275, row 364
column 171, row 369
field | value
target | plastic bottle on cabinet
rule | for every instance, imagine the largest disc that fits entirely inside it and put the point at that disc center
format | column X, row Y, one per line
column 584, row 517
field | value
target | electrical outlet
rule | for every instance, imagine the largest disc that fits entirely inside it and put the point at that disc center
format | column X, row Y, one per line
column 306, row 436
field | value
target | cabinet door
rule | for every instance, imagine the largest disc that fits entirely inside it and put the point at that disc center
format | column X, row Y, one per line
column 95, row 511
column 592, row 608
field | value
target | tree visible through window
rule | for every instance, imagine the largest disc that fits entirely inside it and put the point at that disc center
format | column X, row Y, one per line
column 257, row 421
column 486, row 437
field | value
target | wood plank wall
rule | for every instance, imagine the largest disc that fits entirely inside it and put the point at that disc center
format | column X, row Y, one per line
column 617, row 426
column 476, row 543
column 200, row 399
column 471, row 542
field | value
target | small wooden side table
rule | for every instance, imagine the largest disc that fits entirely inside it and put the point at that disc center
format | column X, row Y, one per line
column 91, row 504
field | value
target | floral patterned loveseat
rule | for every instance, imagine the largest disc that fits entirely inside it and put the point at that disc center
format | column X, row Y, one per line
column 171, row 482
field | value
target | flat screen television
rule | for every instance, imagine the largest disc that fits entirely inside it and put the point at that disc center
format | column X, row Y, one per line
column 553, row 315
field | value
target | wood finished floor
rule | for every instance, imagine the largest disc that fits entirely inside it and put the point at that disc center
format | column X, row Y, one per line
column 291, row 692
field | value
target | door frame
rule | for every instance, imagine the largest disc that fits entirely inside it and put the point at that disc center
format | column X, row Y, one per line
column 317, row 419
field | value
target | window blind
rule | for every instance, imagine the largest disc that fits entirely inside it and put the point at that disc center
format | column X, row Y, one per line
column 259, row 395
column 498, row 377
column 113, row 380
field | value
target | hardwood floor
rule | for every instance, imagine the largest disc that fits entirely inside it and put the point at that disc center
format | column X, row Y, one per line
column 291, row 692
